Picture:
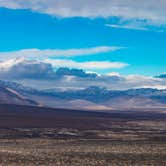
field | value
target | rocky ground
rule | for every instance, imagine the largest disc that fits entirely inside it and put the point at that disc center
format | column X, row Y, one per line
column 81, row 139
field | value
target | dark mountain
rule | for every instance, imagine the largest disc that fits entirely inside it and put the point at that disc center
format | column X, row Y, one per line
column 10, row 95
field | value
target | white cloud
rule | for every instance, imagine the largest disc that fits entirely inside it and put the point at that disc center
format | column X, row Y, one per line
column 113, row 74
column 151, row 10
column 21, row 68
column 86, row 65
column 140, row 81
column 134, row 25
column 154, row 87
column 37, row 53
column 41, row 75
column 131, row 27
column 111, row 82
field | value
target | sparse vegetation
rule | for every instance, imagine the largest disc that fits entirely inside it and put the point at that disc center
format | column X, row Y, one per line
column 72, row 138
column 81, row 152
column 126, row 143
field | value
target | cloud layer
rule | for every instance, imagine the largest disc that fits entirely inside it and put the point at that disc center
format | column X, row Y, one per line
column 151, row 10
column 130, row 27
column 33, row 69
column 42, row 75
column 41, row 54
column 28, row 69
column 86, row 65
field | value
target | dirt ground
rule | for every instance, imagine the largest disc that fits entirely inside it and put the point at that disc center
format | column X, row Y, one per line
column 81, row 138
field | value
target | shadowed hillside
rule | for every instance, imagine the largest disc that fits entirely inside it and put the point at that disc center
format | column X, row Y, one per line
column 29, row 116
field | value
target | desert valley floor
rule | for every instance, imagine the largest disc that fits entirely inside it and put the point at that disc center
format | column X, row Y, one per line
column 57, row 137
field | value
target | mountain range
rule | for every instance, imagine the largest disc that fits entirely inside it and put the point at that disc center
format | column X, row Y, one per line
column 91, row 98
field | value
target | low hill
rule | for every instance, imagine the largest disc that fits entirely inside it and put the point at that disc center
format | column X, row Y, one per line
column 15, row 116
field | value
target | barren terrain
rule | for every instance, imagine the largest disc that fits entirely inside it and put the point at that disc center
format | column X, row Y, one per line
column 43, row 136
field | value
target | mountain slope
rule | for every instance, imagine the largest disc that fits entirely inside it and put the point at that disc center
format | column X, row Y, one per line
column 11, row 96
column 92, row 98
column 96, row 98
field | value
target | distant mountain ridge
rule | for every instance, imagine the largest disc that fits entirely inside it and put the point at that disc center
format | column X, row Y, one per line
column 98, row 94
column 89, row 98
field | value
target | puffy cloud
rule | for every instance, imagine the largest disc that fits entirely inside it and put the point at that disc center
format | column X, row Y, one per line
column 126, row 9
column 116, row 82
column 42, row 75
column 37, row 53
column 139, row 81
column 20, row 68
column 74, row 72
column 86, row 65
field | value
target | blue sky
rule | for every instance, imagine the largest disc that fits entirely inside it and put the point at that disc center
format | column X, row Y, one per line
column 142, row 45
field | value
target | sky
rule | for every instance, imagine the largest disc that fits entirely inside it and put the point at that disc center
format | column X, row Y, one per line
column 109, row 37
